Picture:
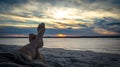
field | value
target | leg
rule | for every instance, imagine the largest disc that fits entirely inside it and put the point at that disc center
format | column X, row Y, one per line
column 39, row 56
column 30, row 49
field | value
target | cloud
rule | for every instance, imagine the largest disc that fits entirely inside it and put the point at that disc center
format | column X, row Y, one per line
column 7, row 5
column 13, row 2
column 49, row 31
column 40, row 7
column 105, row 32
column 62, row 14
column 108, row 24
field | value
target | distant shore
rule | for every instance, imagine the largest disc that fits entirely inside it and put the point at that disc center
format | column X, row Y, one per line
column 67, row 37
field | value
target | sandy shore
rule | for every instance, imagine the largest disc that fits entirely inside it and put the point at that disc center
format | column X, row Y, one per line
column 58, row 57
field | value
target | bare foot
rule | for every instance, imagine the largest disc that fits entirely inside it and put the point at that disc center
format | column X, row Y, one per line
column 40, row 30
column 32, row 37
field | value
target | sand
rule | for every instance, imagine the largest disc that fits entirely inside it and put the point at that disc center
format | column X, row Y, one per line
column 58, row 57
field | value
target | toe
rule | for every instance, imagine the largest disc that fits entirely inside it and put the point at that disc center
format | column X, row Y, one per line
column 41, row 29
column 42, row 25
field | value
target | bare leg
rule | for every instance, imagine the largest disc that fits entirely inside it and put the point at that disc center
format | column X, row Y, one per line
column 39, row 57
column 30, row 50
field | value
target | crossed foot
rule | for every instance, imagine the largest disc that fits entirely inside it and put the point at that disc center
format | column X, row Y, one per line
column 36, row 41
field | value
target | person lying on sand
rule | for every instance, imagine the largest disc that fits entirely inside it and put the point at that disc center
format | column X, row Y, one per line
column 28, row 55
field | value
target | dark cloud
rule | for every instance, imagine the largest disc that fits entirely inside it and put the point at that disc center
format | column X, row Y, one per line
column 65, row 24
column 13, row 2
column 7, row 5
column 82, row 25
column 115, row 23
column 108, row 24
column 49, row 1
column 99, row 5
column 116, row 2
column 80, row 32
column 15, row 30
column 82, row 20
column 88, row 1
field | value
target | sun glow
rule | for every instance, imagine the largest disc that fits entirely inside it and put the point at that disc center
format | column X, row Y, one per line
column 61, row 35
column 60, row 14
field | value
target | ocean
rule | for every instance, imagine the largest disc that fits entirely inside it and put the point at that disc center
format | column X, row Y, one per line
column 107, row 45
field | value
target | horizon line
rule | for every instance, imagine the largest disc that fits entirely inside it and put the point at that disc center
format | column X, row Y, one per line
column 63, row 37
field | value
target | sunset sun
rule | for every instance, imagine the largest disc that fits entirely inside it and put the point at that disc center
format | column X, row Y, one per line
column 61, row 35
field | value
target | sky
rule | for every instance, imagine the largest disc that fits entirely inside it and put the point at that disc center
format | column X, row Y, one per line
column 61, row 17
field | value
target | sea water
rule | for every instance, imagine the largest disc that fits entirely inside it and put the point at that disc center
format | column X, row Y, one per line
column 109, row 45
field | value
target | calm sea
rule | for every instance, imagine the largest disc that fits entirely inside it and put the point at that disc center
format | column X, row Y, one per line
column 109, row 45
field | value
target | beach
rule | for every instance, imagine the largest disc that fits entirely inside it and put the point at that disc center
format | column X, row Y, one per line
column 58, row 57
column 69, row 33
